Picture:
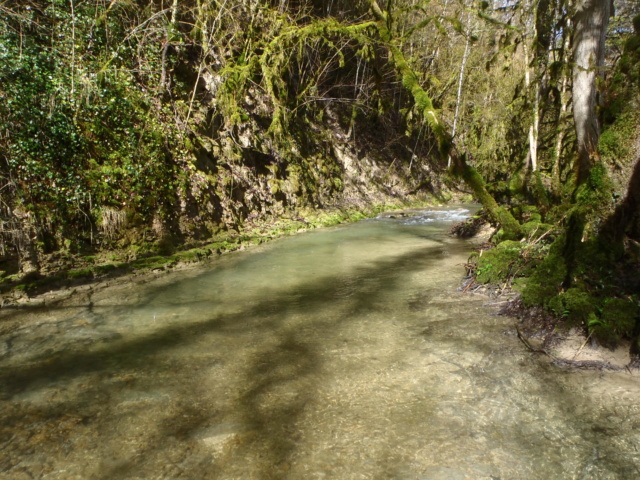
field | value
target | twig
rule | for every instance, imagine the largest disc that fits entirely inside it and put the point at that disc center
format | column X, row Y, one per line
column 473, row 280
column 524, row 340
column 583, row 345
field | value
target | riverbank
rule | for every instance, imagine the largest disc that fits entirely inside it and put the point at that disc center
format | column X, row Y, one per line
column 502, row 272
column 63, row 274
column 345, row 352
column 566, row 346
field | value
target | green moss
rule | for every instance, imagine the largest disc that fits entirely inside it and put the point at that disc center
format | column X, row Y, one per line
column 618, row 320
column 528, row 213
column 157, row 262
column 545, row 282
column 616, row 141
column 516, row 184
column 497, row 264
column 82, row 273
column 540, row 192
column 577, row 305
column 536, row 228
column 106, row 268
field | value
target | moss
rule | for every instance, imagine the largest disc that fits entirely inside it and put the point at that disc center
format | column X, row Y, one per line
column 618, row 320
column 157, row 262
column 107, row 268
column 546, row 281
column 516, row 184
column 577, row 305
column 536, row 228
column 597, row 190
column 496, row 265
column 193, row 255
column 82, row 273
column 529, row 213
column 616, row 141
column 540, row 192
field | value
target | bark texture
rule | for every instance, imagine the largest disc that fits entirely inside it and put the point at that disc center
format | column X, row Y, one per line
column 591, row 21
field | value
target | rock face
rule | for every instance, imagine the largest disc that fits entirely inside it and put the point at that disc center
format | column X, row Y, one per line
column 207, row 140
column 242, row 176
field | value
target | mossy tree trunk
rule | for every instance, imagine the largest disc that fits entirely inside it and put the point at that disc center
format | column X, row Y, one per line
column 424, row 104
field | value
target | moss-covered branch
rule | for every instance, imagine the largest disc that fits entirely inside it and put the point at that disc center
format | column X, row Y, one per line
column 271, row 59
column 425, row 106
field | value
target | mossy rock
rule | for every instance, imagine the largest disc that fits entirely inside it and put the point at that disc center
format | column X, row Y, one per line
column 496, row 265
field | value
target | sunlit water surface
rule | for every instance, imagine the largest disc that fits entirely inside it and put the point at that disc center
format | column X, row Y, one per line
column 344, row 353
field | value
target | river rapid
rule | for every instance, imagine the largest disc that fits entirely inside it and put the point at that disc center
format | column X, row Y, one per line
column 344, row 353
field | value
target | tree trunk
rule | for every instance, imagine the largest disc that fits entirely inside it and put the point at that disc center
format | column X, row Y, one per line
column 535, row 123
column 463, row 66
column 26, row 239
column 561, row 132
column 424, row 104
column 591, row 20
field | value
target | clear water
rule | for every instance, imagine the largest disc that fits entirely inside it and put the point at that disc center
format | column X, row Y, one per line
column 345, row 353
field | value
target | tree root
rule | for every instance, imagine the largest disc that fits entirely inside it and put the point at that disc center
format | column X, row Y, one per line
column 564, row 363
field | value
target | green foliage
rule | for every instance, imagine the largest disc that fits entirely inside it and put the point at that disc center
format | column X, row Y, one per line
column 79, row 122
column 277, row 61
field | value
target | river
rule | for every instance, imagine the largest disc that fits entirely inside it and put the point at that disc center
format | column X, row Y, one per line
column 342, row 353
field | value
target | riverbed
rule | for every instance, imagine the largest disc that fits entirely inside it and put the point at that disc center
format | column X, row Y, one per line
column 343, row 353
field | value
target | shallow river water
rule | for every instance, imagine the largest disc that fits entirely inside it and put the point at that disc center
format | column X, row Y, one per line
column 345, row 353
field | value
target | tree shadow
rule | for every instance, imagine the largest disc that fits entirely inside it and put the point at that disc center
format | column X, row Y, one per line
column 288, row 363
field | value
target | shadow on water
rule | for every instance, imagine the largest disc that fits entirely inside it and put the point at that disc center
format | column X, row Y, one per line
column 290, row 360
column 307, row 297
column 275, row 385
